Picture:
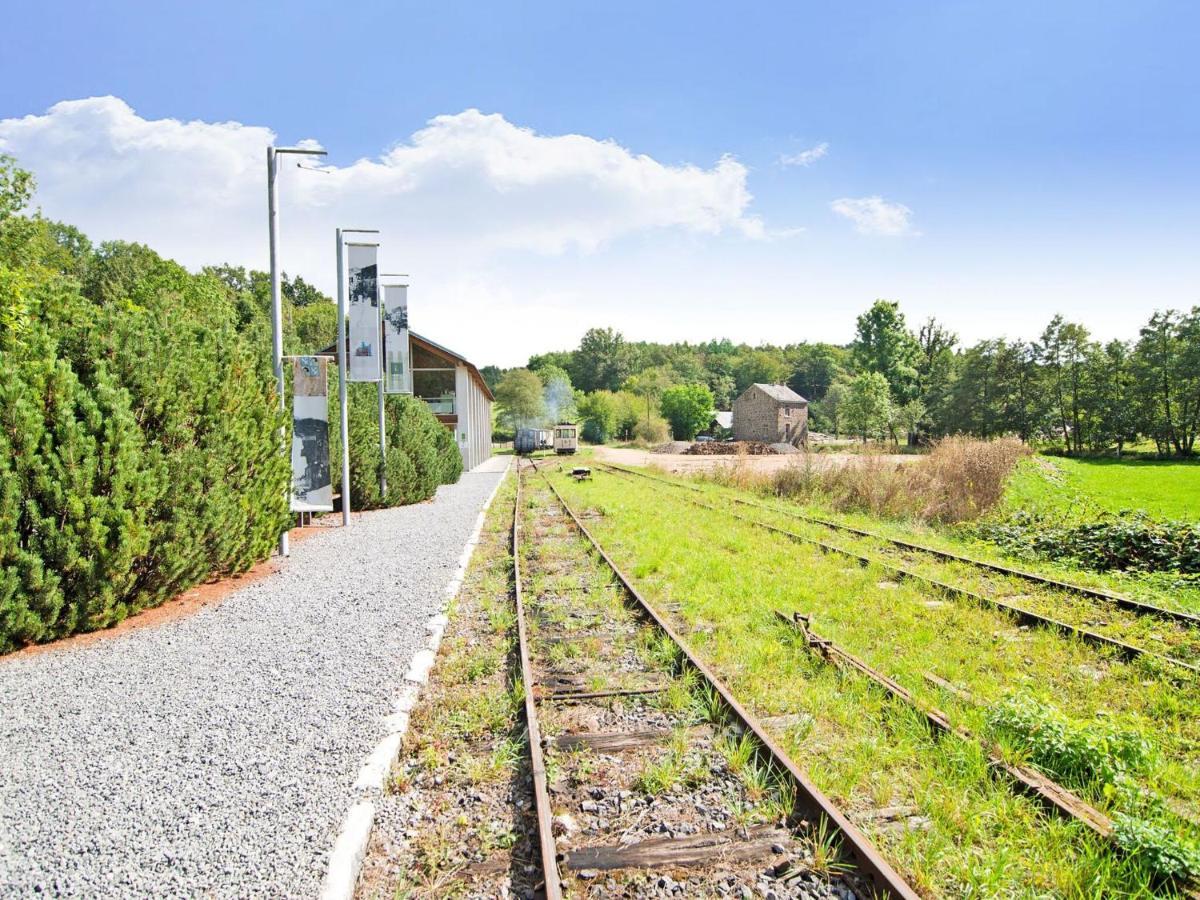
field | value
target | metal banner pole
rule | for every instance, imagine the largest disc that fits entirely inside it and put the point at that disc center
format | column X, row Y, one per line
column 277, row 316
column 382, row 436
column 343, row 376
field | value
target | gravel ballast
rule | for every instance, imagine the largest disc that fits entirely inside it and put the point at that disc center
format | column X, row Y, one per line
column 216, row 755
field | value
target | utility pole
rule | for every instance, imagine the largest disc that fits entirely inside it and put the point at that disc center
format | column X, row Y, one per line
column 276, row 301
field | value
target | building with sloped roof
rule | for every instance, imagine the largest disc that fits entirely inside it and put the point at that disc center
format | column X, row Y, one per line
column 772, row 414
column 454, row 390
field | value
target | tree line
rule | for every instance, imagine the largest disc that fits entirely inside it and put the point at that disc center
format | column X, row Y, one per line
column 892, row 382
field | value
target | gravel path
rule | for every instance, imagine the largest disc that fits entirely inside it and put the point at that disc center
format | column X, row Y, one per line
column 214, row 756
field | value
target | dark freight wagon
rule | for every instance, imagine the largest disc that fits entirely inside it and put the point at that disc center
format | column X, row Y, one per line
column 526, row 441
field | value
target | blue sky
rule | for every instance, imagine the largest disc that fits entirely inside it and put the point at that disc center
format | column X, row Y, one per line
column 1046, row 153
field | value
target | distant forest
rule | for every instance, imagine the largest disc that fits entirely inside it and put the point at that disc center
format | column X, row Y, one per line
column 897, row 383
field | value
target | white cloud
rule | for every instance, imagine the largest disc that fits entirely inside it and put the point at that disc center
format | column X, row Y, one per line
column 805, row 157
column 477, row 210
column 874, row 215
column 470, row 178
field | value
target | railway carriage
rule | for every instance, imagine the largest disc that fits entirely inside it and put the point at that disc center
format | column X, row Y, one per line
column 566, row 438
column 525, row 441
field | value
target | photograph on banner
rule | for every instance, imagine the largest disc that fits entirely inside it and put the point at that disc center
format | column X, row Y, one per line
column 312, row 488
column 397, row 371
column 363, row 292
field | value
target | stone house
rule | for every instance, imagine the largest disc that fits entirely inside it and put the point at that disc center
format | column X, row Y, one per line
column 771, row 413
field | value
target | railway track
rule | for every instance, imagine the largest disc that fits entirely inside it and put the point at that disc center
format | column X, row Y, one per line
column 1025, row 779
column 650, row 779
column 1176, row 630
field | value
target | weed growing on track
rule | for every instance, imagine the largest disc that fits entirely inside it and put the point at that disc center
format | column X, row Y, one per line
column 465, row 750
column 678, row 767
column 868, row 751
column 1081, row 756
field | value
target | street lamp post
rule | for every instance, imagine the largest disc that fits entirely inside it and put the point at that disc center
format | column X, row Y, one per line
column 276, row 302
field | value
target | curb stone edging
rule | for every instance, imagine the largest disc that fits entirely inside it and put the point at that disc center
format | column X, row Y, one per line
column 350, row 847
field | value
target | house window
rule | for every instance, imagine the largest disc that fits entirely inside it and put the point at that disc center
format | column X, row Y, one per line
column 787, row 412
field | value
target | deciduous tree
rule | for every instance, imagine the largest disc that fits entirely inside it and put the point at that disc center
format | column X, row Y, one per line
column 688, row 408
column 883, row 344
column 649, row 384
column 601, row 362
column 520, row 399
column 868, row 406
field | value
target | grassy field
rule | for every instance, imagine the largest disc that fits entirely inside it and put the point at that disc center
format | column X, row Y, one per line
column 1135, row 728
column 1084, row 488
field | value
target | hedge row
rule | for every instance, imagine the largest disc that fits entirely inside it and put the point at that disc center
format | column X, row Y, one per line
column 1128, row 544
column 139, row 439
column 421, row 451
column 139, row 449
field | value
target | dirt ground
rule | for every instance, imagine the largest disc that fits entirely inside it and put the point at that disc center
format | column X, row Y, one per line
column 682, row 463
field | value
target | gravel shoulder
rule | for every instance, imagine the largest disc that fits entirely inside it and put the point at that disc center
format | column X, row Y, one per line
column 215, row 755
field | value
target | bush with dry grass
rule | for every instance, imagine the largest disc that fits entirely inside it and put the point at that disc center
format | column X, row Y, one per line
column 651, row 433
column 960, row 479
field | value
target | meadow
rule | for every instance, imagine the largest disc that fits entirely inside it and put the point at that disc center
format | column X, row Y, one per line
column 1130, row 726
column 1081, row 488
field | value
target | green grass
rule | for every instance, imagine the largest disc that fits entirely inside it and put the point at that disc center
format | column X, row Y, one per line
column 1165, row 589
column 1080, row 489
column 867, row 751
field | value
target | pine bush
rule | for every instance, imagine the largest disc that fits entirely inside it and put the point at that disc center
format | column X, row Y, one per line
column 140, row 437
column 140, row 446
column 421, row 451
column 74, row 496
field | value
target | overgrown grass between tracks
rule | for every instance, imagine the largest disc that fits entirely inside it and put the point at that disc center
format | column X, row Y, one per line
column 869, row 752
column 865, row 504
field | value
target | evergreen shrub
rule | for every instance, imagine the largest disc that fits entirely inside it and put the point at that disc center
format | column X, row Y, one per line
column 421, row 451
column 140, row 446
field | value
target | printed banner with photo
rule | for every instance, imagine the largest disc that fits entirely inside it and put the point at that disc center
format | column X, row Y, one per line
column 397, row 373
column 363, row 293
column 312, row 490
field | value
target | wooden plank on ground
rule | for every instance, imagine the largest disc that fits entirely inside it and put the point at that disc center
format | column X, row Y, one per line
column 619, row 741
column 689, row 850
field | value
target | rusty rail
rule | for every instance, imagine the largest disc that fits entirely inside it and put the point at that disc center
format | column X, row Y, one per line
column 815, row 805
column 1051, row 794
column 537, row 763
column 1120, row 600
column 1025, row 616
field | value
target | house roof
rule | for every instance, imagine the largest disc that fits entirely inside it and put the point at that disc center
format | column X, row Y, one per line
column 780, row 392
column 438, row 348
column 724, row 418
column 416, row 339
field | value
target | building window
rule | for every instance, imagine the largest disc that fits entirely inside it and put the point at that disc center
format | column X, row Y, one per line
column 436, row 388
